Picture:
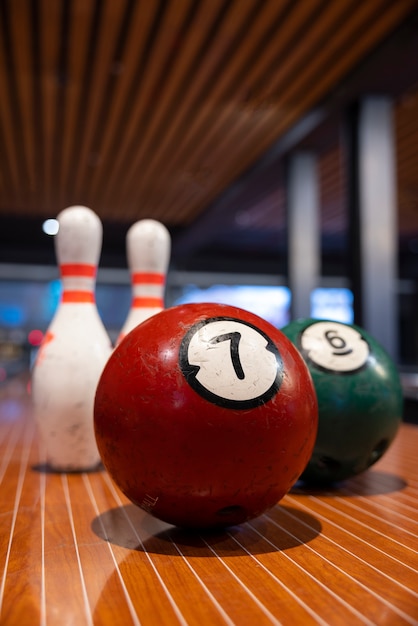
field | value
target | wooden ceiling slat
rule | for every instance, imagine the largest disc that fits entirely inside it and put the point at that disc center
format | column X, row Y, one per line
column 82, row 28
column 322, row 70
column 146, row 140
column 216, row 82
column 143, row 102
column 9, row 154
column 408, row 216
column 119, row 127
column 227, row 106
column 407, row 168
column 143, row 108
column 50, row 17
column 407, row 132
column 356, row 38
column 60, row 103
column 330, row 176
column 324, row 18
column 10, row 107
column 136, row 136
column 127, row 69
column 366, row 27
column 259, row 131
column 95, row 95
column 159, row 55
column 264, row 103
column 38, row 131
column 191, row 90
column 332, row 172
column 84, row 113
column 128, row 73
column 20, row 30
column 406, row 125
column 405, row 117
column 406, row 150
column 326, row 31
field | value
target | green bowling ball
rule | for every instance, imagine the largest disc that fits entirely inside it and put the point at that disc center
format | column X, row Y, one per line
column 359, row 395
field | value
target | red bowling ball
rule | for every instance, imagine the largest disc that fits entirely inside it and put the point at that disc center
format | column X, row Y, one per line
column 205, row 415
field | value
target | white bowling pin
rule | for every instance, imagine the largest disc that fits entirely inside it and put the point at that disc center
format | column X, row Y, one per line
column 75, row 349
column 148, row 247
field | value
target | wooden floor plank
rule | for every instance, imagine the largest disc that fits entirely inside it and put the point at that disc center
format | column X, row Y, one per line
column 74, row 550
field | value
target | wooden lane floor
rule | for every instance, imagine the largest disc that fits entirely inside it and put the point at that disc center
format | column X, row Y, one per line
column 75, row 551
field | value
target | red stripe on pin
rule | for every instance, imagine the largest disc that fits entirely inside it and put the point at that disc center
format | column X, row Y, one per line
column 147, row 302
column 78, row 297
column 151, row 278
column 78, row 269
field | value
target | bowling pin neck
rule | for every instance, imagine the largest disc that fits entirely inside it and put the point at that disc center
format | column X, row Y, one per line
column 148, row 251
column 77, row 245
column 147, row 289
column 78, row 282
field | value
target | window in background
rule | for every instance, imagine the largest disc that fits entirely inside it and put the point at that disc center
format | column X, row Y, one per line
column 27, row 304
column 32, row 304
column 332, row 303
column 271, row 302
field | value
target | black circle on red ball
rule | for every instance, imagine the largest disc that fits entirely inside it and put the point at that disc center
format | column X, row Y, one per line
column 231, row 362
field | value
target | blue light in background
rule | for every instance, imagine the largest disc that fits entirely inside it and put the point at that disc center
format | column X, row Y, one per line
column 11, row 315
column 333, row 303
column 270, row 302
column 53, row 298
